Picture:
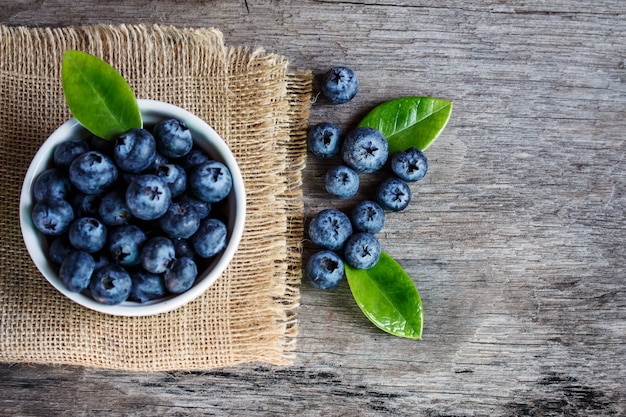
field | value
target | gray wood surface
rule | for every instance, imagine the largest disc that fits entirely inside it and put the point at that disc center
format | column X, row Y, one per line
column 515, row 238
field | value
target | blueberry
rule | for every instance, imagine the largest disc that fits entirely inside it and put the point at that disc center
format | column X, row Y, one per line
column 52, row 217
column 173, row 138
column 362, row 250
column 342, row 182
column 59, row 248
column 211, row 182
column 330, row 229
column 365, row 150
column 93, row 173
column 180, row 221
column 201, row 207
column 339, row 85
column 324, row 139
column 134, row 150
column 368, row 216
column 210, row 239
column 51, row 183
column 183, row 248
column 88, row 234
column 125, row 244
column 159, row 160
column 148, row 197
column 393, row 194
column 324, row 270
column 146, row 286
column 110, row 284
column 174, row 176
column 85, row 204
column 157, row 254
column 410, row 165
column 113, row 210
column 194, row 158
column 181, row 275
column 65, row 152
column 76, row 270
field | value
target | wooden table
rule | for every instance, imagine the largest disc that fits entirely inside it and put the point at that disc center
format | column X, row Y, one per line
column 515, row 238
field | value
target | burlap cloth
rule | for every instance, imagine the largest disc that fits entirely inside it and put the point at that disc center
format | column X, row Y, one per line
column 256, row 104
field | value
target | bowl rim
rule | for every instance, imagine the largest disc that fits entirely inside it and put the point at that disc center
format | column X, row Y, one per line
column 206, row 137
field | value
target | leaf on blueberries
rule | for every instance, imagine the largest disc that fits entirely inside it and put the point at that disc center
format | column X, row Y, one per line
column 98, row 96
column 388, row 297
column 409, row 121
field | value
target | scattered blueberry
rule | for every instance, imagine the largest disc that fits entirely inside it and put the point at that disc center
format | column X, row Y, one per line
column 368, row 216
column 324, row 270
column 342, row 182
column 93, row 173
column 65, row 153
column 88, row 234
column 110, row 284
column 324, row 139
column 148, row 197
column 393, row 194
column 134, row 150
column 210, row 239
column 362, row 250
column 173, row 138
column 410, row 165
column 157, row 254
column 365, row 150
column 51, row 184
column 340, row 85
column 76, row 270
column 181, row 275
column 52, row 217
column 330, row 229
column 211, row 182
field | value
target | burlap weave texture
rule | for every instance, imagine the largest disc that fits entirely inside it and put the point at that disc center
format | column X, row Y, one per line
column 260, row 108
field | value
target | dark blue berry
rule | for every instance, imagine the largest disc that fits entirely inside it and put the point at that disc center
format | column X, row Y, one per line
column 174, row 176
column 76, row 270
column 339, row 85
column 393, row 194
column 110, row 284
column 113, row 210
column 368, row 216
column 180, row 221
column 51, row 183
column 324, row 139
column 125, row 244
column 365, row 150
column 52, row 217
column 211, row 182
column 157, row 254
column 341, row 182
column 147, row 286
column 65, row 152
column 88, row 234
column 148, row 197
column 173, row 138
column 324, row 270
column 330, row 229
column 93, row 173
column 181, row 275
column 410, row 165
column 362, row 250
column 134, row 150
column 210, row 239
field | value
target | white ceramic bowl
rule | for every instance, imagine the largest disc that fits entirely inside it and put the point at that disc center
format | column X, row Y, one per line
column 206, row 138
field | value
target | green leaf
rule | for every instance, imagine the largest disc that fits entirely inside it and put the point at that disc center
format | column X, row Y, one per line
column 409, row 121
column 98, row 96
column 388, row 297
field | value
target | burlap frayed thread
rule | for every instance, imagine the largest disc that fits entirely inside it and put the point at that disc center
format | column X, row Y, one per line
column 257, row 105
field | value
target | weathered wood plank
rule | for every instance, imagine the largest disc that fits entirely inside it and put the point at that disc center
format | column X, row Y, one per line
column 515, row 238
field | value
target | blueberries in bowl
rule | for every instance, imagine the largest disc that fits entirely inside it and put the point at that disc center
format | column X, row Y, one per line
column 113, row 219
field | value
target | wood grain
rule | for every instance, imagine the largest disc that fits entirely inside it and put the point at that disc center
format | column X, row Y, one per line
column 515, row 238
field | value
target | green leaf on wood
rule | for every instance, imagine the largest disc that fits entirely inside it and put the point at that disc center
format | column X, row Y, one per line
column 388, row 297
column 409, row 121
column 98, row 96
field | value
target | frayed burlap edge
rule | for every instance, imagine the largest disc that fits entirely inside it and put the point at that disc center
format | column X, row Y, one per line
column 259, row 108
